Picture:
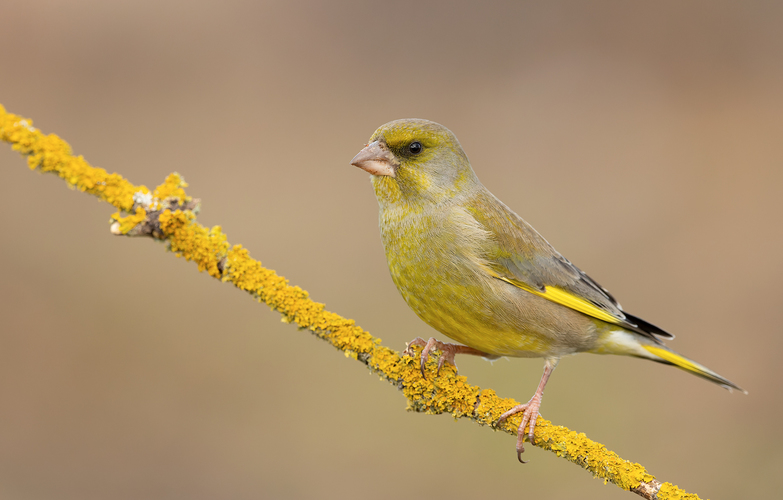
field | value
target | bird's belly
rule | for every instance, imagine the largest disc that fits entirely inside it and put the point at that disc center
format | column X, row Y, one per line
column 460, row 323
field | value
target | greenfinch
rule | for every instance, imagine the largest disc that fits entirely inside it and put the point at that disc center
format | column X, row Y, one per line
column 479, row 274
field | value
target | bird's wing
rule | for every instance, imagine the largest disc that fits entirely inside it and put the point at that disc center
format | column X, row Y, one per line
column 518, row 255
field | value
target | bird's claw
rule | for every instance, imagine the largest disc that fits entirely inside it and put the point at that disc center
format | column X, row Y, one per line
column 418, row 342
column 447, row 352
column 529, row 416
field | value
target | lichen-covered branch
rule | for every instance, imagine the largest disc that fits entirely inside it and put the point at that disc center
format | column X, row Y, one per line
column 168, row 214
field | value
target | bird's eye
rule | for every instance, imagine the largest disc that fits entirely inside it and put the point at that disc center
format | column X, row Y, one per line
column 415, row 147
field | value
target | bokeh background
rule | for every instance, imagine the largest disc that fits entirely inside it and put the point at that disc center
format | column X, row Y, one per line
column 644, row 140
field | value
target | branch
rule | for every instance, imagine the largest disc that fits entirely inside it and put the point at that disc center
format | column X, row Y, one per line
column 168, row 214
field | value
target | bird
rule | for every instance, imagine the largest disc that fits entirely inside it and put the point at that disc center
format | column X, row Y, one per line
column 476, row 272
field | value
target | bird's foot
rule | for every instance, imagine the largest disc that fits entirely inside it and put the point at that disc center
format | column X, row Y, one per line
column 529, row 418
column 447, row 352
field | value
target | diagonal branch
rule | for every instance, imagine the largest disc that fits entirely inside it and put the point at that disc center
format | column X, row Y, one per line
column 168, row 214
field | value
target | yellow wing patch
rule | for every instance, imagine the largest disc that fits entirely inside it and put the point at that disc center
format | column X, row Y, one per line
column 560, row 296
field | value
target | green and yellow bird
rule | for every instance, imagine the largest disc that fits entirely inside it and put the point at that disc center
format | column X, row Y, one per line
column 476, row 272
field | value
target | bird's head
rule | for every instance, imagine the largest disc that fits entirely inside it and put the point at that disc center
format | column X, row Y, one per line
column 416, row 162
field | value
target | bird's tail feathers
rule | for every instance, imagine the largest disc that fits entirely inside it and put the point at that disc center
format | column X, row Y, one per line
column 629, row 343
column 663, row 354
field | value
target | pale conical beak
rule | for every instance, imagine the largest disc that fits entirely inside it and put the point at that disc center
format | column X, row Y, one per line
column 376, row 159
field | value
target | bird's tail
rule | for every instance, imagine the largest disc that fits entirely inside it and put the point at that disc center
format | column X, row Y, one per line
column 663, row 354
column 629, row 343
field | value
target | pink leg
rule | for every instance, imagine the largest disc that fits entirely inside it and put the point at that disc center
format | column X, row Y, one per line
column 530, row 409
column 448, row 351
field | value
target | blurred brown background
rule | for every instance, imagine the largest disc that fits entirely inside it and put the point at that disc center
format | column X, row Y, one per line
column 643, row 140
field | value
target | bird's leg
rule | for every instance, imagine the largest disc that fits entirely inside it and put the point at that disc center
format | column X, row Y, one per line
column 530, row 409
column 448, row 351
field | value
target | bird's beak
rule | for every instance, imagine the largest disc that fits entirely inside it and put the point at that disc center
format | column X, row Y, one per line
column 376, row 159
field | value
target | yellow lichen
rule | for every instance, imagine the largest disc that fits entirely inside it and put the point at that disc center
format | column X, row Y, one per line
column 49, row 153
column 172, row 187
column 129, row 222
column 188, row 239
column 670, row 491
column 210, row 250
